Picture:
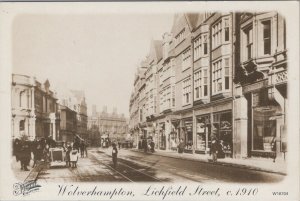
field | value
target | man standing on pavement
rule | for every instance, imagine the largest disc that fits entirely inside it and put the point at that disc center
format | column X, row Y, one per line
column 114, row 154
column 152, row 146
column 181, row 146
column 214, row 149
column 24, row 154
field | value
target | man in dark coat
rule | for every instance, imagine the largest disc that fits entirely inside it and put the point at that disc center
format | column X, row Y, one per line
column 24, row 154
column 152, row 144
column 114, row 154
column 181, row 146
column 214, row 149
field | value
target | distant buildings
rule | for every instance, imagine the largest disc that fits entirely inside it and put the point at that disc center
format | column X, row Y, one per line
column 110, row 125
column 34, row 109
column 215, row 75
column 73, row 114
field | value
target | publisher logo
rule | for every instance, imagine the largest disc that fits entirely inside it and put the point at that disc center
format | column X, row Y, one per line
column 25, row 188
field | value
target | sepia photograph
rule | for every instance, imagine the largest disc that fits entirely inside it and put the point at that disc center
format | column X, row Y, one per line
column 192, row 103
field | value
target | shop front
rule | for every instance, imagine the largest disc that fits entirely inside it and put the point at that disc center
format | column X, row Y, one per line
column 174, row 135
column 188, row 134
column 162, row 136
column 268, row 129
column 203, row 134
column 222, row 130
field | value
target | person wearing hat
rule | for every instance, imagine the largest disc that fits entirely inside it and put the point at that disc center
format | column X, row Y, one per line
column 214, row 149
column 114, row 154
column 68, row 163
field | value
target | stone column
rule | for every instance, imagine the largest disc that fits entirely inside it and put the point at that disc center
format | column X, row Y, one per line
column 167, row 133
column 240, row 131
column 52, row 122
column 194, row 130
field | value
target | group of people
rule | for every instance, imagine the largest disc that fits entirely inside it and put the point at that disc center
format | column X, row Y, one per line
column 72, row 152
column 39, row 150
column 216, row 149
column 147, row 146
column 24, row 149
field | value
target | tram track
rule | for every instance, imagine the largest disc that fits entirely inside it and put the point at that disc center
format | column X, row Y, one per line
column 126, row 171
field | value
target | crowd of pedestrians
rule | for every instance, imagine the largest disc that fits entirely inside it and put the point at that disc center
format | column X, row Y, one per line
column 25, row 150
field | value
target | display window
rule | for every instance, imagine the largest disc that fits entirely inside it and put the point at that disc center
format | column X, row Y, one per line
column 222, row 131
column 188, row 129
column 203, row 133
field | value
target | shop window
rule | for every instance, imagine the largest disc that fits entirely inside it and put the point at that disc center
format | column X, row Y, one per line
column 222, row 130
column 188, row 138
column 264, row 122
column 202, row 133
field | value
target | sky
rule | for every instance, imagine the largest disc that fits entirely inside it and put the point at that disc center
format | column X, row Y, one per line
column 95, row 53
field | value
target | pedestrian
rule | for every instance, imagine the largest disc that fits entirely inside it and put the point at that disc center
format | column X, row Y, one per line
column 214, row 149
column 81, row 146
column 114, row 154
column 74, row 158
column 68, row 162
column 221, row 153
column 37, row 152
column 152, row 144
column 16, row 148
column 181, row 146
column 24, row 154
column 85, row 149
column 145, row 146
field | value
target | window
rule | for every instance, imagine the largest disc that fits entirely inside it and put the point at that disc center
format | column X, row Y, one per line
column 173, row 96
column 205, row 81
column 226, row 67
column 205, row 44
column 217, row 34
column 197, row 48
column 186, row 91
column 22, row 125
column 180, row 37
column 226, row 29
column 200, row 79
column 217, row 76
column 186, row 59
column 249, row 42
column 220, row 32
column 200, row 47
column 267, row 36
column 197, row 78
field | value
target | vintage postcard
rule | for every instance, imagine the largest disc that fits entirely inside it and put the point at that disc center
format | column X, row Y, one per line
column 149, row 101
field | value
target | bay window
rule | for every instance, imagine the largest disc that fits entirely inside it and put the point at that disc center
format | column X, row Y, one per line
column 186, row 59
column 200, row 83
column 221, row 75
column 200, row 46
column 186, row 91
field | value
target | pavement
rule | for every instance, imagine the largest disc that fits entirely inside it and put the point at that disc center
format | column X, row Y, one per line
column 30, row 175
column 258, row 164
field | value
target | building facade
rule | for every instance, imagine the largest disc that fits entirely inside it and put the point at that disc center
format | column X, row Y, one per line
column 68, row 123
column 111, row 126
column 204, row 74
column 34, row 109
column 81, row 110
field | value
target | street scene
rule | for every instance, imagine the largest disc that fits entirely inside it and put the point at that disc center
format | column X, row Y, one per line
column 189, row 97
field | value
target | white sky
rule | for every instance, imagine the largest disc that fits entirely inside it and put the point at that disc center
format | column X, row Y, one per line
column 95, row 53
